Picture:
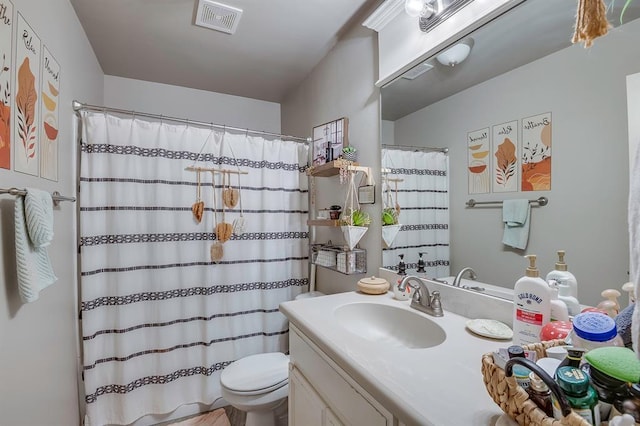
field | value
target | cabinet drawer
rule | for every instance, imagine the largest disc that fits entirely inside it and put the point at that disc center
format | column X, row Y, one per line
column 350, row 403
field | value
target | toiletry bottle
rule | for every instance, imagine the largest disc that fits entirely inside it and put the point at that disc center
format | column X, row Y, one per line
column 520, row 372
column 540, row 393
column 573, row 358
column 402, row 268
column 564, row 294
column 531, row 305
column 582, row 397
column 559, row 309
column 563, row 276
column 421, row 263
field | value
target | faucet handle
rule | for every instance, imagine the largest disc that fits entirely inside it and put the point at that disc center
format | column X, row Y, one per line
column 436, row 304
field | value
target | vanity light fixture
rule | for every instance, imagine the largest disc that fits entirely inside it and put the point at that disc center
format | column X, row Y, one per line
column 432, row 12
column 420, row 8
column 456, row 53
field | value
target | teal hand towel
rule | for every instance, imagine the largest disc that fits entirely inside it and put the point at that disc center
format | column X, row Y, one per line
column 33, row 215
column 516, row 215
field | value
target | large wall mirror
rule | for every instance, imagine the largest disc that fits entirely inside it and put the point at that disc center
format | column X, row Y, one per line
column 521, row 64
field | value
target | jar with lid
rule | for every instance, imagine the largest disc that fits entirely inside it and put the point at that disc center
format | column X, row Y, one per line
column 593, row 330
column 581, row 396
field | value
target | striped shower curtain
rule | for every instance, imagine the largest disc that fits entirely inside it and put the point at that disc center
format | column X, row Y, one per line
column 423, row 196
column 160, row 320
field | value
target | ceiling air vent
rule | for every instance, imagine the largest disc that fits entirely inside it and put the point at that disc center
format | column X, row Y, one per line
column 218, row 16
column 417, row 71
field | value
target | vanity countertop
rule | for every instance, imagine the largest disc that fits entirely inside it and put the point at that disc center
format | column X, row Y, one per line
column 439, row 386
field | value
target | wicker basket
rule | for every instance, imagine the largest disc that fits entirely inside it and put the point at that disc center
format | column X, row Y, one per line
column 514, row 400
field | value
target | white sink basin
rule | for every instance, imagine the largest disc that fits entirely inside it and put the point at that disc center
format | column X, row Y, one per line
column 390, row 325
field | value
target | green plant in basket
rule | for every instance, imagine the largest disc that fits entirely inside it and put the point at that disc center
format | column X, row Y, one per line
column 389, row 216
column 358, row 218
column 348, row 150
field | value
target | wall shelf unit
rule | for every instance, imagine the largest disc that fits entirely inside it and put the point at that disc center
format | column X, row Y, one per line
column 339, row 258
column 336, row 258
column 333, row 168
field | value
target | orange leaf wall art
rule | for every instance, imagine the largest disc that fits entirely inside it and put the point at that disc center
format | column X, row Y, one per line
column 505, row 169
column 536, row 153
column 26, row 108
column 6, row 51
column 27, row 111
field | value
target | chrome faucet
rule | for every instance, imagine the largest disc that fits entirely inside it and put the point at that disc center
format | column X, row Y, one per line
column 458, row 279
column 422, row 300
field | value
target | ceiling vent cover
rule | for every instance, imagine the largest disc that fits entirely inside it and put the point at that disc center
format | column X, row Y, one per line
column 417, row 71
column 218, row 16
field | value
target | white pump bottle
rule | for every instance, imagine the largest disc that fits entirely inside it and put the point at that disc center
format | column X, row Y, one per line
column 531, row 305
column 563, row 277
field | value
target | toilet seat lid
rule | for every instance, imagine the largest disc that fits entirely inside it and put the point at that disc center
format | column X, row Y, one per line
column 259, row 372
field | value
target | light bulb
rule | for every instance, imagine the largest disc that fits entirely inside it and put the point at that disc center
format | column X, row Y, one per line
column 413, row 7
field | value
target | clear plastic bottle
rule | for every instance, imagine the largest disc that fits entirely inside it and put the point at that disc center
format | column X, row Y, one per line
column 594, row 330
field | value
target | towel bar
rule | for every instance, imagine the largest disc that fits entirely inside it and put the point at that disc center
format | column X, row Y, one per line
column 55, row 195
column 542, row 201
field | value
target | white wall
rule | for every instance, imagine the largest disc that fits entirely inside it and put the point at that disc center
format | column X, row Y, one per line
column 343, row 85
column 586, row 92
column 38, row 340
column 198, row 105
column 388, row 132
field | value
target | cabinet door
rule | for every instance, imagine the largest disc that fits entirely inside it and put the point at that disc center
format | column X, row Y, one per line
column 305, row 405
column 330, row 419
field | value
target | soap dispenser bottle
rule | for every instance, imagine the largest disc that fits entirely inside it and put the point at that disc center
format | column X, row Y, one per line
column 402, row 267
column 531, row 305
column 421, row 264
column 562, row 276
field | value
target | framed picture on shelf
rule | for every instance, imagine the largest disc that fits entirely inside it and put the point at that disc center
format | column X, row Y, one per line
column 328, row 140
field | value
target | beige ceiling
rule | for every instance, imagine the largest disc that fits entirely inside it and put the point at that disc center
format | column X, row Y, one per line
column 276, row 45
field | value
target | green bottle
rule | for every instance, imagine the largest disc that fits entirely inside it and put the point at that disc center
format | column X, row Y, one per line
column 582, row 397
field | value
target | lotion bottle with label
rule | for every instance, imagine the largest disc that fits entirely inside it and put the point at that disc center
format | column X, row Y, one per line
column 563, row 277
column 531, row 305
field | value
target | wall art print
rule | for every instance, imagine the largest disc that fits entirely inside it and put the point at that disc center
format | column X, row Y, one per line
column 329, row 139
column 536, row 153
column 26, row 116
column 49, row 102
column 504, row 139
column 478, row 148
column 6, row 50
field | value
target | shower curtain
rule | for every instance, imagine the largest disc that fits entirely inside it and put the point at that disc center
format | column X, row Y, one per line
column 423, row 196
column 160, row 320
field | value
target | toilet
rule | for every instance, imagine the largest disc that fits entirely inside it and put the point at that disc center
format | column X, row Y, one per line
column 259, row 384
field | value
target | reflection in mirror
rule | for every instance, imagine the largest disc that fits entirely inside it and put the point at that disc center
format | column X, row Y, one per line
column 522, row 64
column 415, row 190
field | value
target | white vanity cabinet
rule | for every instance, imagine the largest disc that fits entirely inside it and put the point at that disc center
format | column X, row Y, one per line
column 322, row 394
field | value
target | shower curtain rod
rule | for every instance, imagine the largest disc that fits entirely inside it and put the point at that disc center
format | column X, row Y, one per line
column 416, row 148
column 78, row 106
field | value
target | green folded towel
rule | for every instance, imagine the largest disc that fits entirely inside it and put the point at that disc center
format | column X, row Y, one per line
column 619, row 363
